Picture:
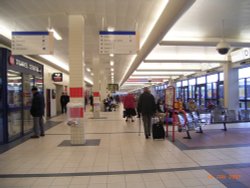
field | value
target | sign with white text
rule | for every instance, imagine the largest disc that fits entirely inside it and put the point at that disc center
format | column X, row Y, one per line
column 118, row 42
column 32, row 43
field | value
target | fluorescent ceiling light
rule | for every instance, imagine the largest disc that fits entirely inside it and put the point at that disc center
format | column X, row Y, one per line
column 111, row 29
column 5, row 32
column 55, row 34
column 170, row 66
column 88, row 80
column 164, row 77
column 148, row 73
column 56, row 61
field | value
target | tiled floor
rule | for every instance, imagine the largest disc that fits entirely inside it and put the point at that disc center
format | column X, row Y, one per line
column 123, row 159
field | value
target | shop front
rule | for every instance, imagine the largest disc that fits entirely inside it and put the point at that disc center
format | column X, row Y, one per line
column 17, row 76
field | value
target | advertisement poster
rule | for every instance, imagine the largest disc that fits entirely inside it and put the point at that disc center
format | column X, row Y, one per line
column 170, row 97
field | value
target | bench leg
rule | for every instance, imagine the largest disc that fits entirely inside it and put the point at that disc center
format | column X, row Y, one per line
column 225, row 126
column 200, row 130
column 188, row 135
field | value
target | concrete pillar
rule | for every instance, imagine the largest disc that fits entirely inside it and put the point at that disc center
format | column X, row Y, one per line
column 231, row 87
column 76, row 77
column 96, row 88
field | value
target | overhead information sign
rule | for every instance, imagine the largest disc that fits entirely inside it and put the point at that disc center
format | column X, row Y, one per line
column 32, row 43
column 118, row 42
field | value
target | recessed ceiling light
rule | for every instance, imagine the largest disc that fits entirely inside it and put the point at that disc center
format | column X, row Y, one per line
column 112, row 69
column 112, row 63
column 88, row 69
column 111, row 55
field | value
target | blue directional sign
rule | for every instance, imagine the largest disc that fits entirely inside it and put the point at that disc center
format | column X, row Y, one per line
column 118, row 42
column 32, row 43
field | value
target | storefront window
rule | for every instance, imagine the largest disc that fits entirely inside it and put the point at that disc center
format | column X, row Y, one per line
column 28, row 82
column 14, row 104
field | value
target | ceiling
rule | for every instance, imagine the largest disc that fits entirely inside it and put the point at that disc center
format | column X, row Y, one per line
column 179, row 42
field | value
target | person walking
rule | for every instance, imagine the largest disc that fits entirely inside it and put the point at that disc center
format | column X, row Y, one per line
column 129, row 105
column 147, row 107
column 37, row 111
column 64, row 101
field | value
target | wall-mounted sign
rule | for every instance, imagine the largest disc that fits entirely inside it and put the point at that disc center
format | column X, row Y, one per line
column 32, row 43
column 113, row 87
column 24, row 64
column 240, row 55
column 57, row 77
column 118, row 42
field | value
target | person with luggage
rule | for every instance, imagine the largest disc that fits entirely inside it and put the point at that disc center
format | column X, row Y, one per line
column 129, row 105
column 147, row 107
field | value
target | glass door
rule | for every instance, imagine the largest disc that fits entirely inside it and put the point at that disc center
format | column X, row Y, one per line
column 15, row 103
column 28, row 82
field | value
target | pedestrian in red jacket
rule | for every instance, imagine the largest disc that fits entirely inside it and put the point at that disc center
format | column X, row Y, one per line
column 129, row 105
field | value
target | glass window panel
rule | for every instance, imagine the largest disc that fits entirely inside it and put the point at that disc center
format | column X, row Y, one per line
column 214, row 90
column 242, row 105
column 201, row 80
column 244, row 72
column 178, row 84
column 184, row 83
column 209, row 91
column 242, row 88
column 248, row 104
column 248, row 89
column 221, row 76
column 212, row 78
column 192, row 82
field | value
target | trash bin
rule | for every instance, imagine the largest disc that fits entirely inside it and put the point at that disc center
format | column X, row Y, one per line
column 75, row 115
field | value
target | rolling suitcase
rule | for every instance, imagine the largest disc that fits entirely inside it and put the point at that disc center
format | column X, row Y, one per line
column 158, row 130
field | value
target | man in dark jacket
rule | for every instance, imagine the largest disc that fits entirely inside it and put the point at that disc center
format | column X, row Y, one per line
column 37, row 111
column 147, row 107
column 64, row 101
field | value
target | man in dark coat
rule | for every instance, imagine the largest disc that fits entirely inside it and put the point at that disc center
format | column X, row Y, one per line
column 147, row 107
column 37, row 111
column 64, row 101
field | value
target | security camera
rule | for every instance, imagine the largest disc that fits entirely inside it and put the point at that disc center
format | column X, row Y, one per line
column 222, row 47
